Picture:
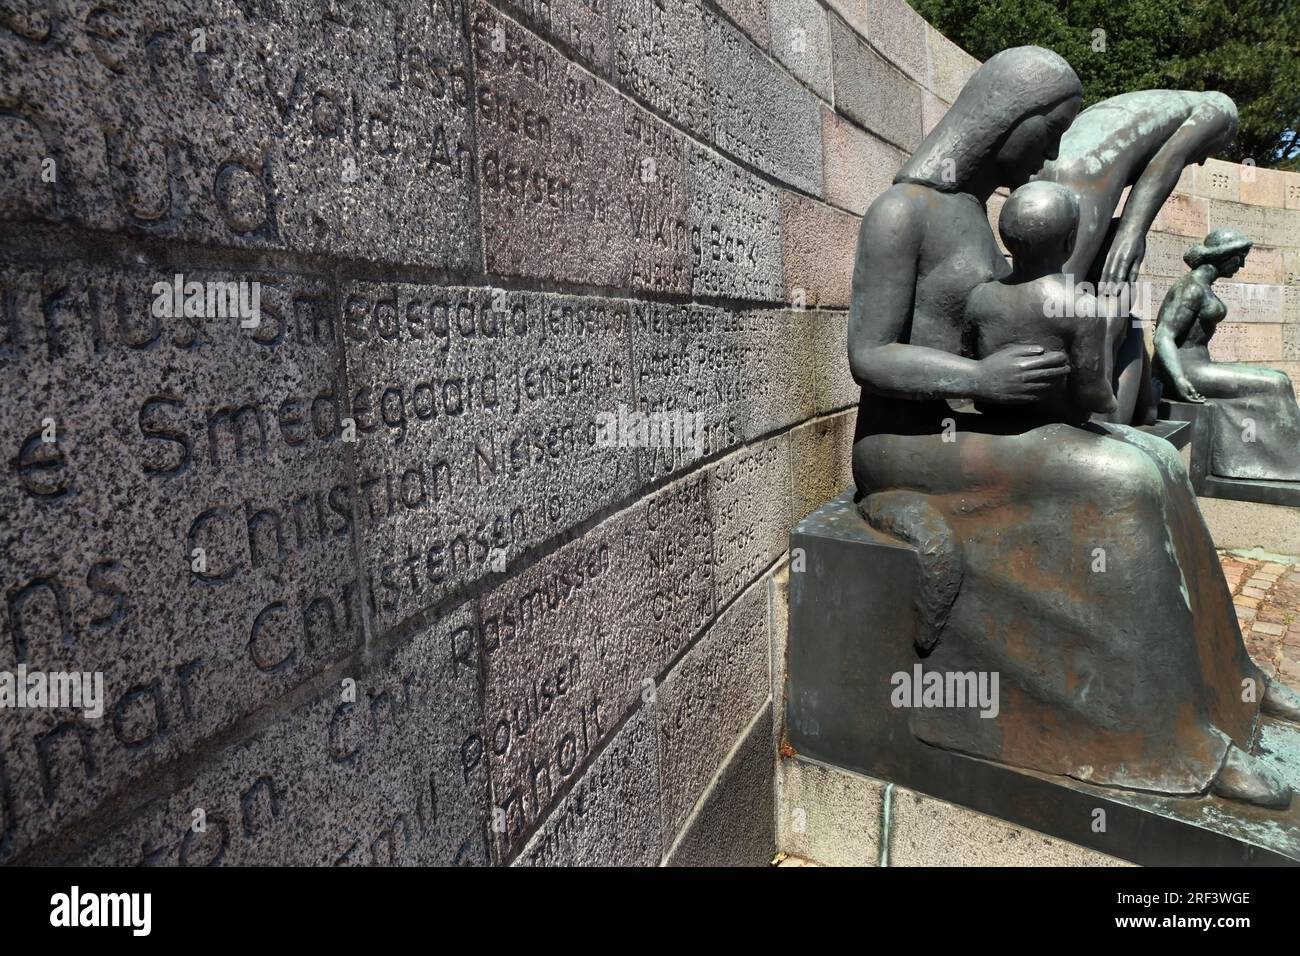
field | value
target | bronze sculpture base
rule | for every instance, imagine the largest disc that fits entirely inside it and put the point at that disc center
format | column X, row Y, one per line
column 1204, row 482
column 846, row 647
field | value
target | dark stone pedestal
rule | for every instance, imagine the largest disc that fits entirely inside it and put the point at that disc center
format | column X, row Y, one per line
column 851, row 629
column 1176, row 433
column 1207, row 485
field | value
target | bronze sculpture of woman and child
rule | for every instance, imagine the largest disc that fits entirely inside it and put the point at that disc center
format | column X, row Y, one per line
column 1125, row 671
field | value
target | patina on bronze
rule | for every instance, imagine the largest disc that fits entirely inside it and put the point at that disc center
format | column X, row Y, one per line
column 1129, row 673
column 1142, row 139
column 1255, row 422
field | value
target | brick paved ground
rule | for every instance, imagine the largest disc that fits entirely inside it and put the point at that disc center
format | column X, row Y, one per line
column 1266, row 594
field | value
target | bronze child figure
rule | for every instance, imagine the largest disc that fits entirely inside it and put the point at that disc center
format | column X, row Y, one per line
column 1037, row 304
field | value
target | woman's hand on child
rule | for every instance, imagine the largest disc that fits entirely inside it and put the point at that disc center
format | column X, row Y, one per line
column 1018, row 374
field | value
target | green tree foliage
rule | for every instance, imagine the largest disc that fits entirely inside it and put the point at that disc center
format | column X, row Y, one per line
column 1249, row 49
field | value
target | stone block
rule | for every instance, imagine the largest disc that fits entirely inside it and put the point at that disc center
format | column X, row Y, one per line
column 701, row 72
column 1122, row 204
column 1291, row 266
column 930, row 832
column 836, row 389
column 1183, row 215
column 950, row 66
column 1291, row 342
column 750, row 513
column 581, row 28
column 859, row 167
column 375, row 779
column 778, row 619
column 1263, row 264
column 735, row 231
column 1281, row 227
column 854, row 13
column 477, row 413
column 1246, row 219
column 1251, row 524
column 669, row 540
column 738, row 374
column 1248, row 342
column 759, row 113
column 311, row 128
column 830, row 816
column 1267, row 226
column 1292, row 369
column 750, row 16
column 821, row 461
column 1252, row 301
column 579, row 184
column 611, row 816
column 1148, row 300
column 900, row 33
column 820, row 242
column 733, row 823
column 778, row 629
column 1263, row 187
column 547, row 704
column 933, row 109
column 659, row 57
column 801, row 40
column 871, row 91
column 1229, row 341
column 575, row 642
column 1164, row 256
column 1219, row 180
column 1291, row 183
column 186, row 531
column 707, row 700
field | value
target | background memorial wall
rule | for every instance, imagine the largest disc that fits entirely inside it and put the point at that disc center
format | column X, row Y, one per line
column 363, row 580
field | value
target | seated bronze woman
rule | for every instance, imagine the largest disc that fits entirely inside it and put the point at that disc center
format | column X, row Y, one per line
column 1255, row 422
column 1070, row 559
